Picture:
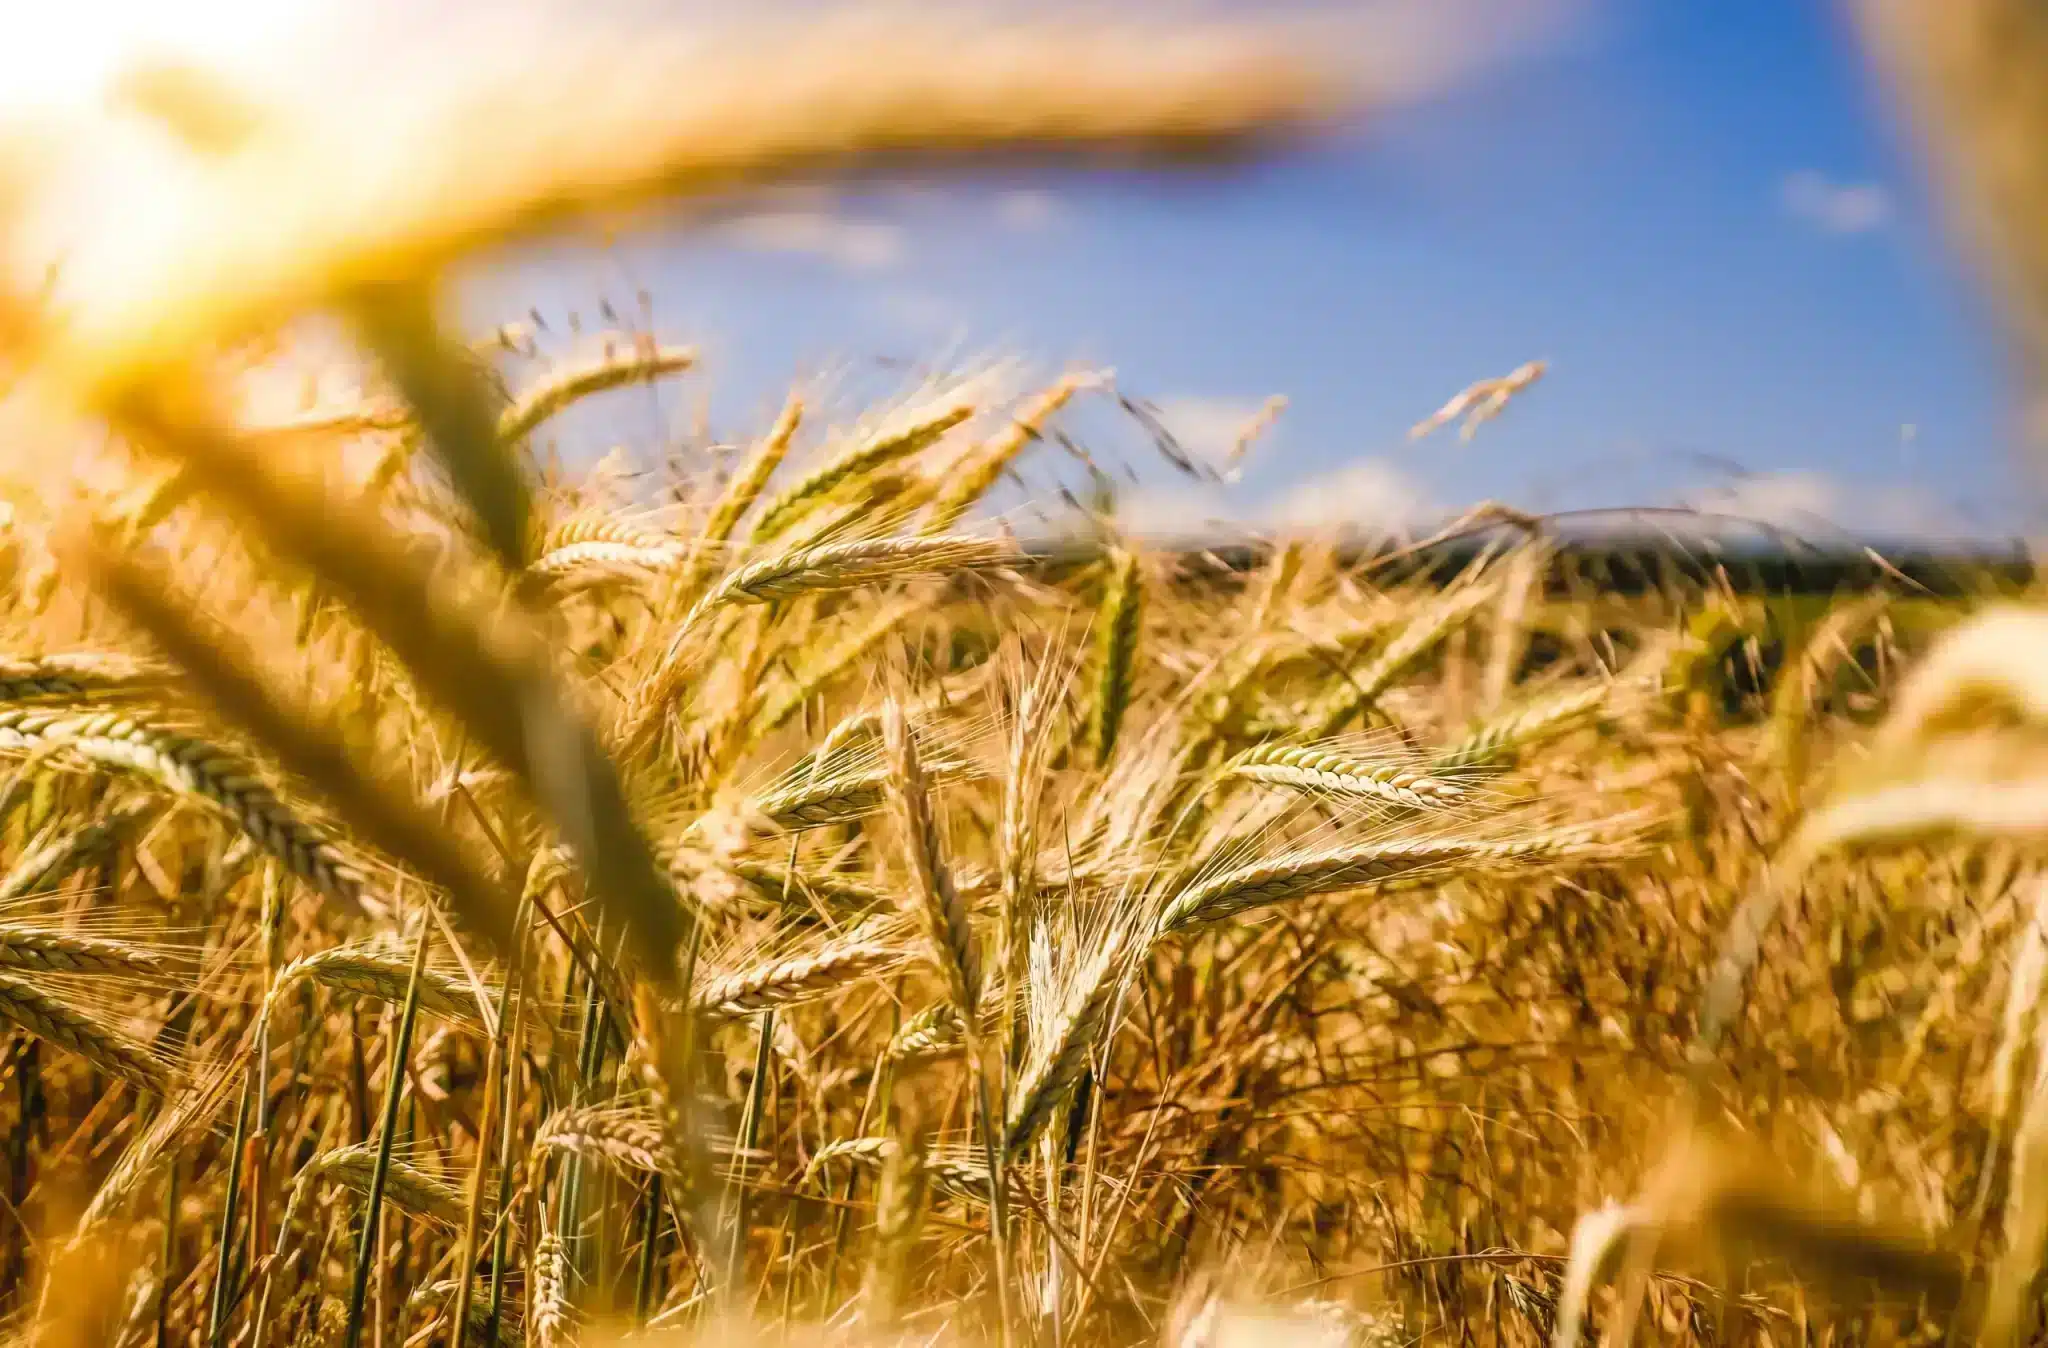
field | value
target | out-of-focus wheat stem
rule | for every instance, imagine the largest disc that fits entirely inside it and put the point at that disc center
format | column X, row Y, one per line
column 387, row 1134
column 382, row 809
column 1976, row 72
column 312, row 207
column 491, row 673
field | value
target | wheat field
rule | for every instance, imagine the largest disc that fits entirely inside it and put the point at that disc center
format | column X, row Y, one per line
column 448, row 896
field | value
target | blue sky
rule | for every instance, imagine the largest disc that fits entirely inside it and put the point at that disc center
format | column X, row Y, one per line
column 1698, row 213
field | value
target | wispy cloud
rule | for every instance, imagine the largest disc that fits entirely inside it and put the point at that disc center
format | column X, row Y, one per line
column 1177, row 510
column 857, row 245
column 1210, row 428
column 1834, row 207
column 1820, row 503
column 1371, row 496
column 1028, row 210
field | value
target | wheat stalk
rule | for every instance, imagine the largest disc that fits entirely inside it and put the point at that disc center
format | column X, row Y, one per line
column 641, row 363
column 590, row 548
column 66, row 952
column 833, row 661
column 979, row 470
column 49, row 863
column 809, row 974
column 907, row 434
column 624, row 1137
column 196, row 769
column 77, row 676
column 961, row 1176
column 111, row 1050
column 381, row 971
column 1333, row 772
column 1420, row 635
column 419, row 1193
column 933, row 1032
column 1522, row 727
column 805, row 799
column 552, row 1317
column 848, row 566
column 1064, row 1041
column 937, row 909
column 1363, row 865
column 1116, row 644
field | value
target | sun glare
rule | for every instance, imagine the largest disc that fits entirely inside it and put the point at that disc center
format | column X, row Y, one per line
column 73, row 50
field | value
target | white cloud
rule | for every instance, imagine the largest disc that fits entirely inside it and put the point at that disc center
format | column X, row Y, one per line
column 1029, row 210
column 1835, row 207
column 1371, row 496
column 1819, row 503
column 857, row 245
column 1781, row 500
column 1209, row 428
column 1179, row 510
